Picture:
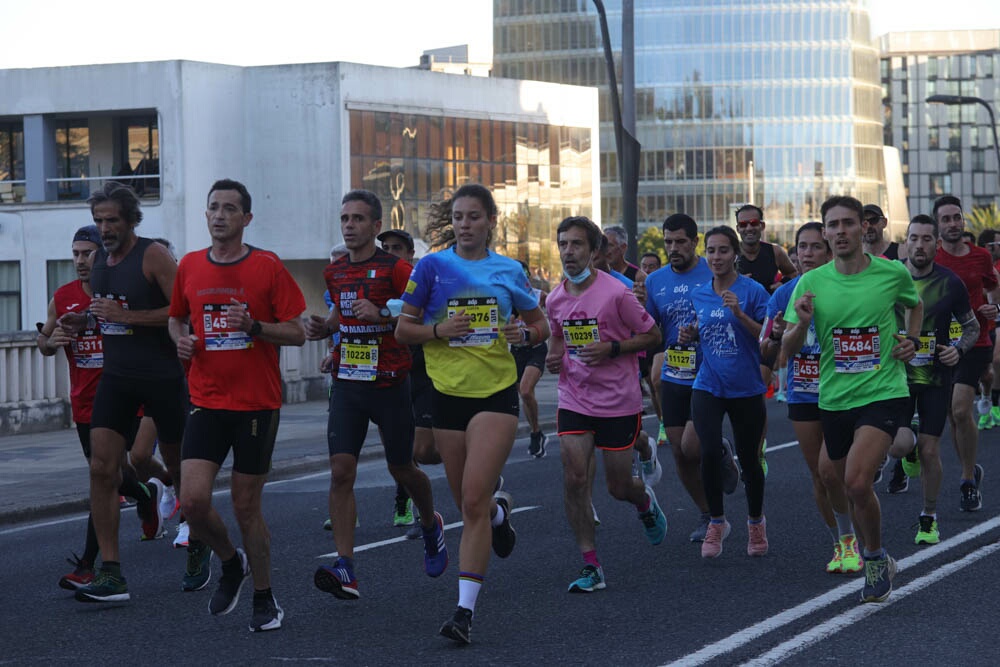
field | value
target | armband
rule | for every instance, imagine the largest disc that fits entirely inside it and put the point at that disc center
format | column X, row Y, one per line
column 915, row 340
column 616, row 349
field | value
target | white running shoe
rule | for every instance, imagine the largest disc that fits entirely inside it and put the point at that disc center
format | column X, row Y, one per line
column 651, row 469
column 183, row 534
column 169, row 504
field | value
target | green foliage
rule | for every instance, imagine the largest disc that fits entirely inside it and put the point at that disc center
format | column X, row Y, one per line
column 982, row 218
column 651, row 240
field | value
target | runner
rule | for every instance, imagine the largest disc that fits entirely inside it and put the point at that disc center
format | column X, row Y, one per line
column 873, row 241
column 371, row 383
column 131, row 279
column 862, row 378
column 456, row 304
column 598, row 327
column 669, row 302
column 233, row 305
column 803, row 405
column 929, row 372
column 729, row 310
column 530, row 361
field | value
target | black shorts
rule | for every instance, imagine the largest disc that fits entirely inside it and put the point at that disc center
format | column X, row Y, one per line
column 972, row 365
column 610, row 433
column 839, row 425
column 118, row 400
column 422, row 397
column 933, row 404
column 210, row 434
column 353, row 404
column 803, row 412
column 453, row 413
column 83, row 432
column 675, row 404
column 529, row 356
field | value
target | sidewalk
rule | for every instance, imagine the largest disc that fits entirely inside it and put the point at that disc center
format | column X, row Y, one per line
column 45, row 474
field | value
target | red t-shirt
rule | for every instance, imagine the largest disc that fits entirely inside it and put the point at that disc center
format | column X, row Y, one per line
column 976, row 271
column 85, row 353
column 230, row 369
column 368, row 351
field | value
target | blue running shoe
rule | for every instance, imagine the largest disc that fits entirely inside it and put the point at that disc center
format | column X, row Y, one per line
column 653, row 520
column 591, row 579
column 337, row 580
column 435, row 551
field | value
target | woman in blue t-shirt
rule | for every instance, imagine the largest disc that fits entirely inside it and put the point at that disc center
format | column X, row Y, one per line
column 729, row 311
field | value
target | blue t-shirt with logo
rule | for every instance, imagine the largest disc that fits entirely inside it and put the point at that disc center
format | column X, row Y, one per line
column 668, row 300
column 803, row 368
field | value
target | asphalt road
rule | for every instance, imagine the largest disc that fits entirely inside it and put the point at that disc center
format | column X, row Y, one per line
column 663, row 605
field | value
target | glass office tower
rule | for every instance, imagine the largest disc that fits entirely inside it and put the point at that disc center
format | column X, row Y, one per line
column 777, row 103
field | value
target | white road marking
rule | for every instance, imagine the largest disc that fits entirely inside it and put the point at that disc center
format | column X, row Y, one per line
column 402, row 538
column 796, row 613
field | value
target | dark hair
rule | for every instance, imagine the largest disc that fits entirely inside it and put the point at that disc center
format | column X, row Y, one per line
column 728, row 232
column 923, row 219
column 814, row 226
column 683, row 221
column 230, row 184
column 846, row 202
column 986, row 236
column 750, row 207
column 970, row 236
column 603, row 245
column 592, row 231
column 659, row 262
column 124, row 196
column 945, row 201
column 439, row 232
column 369, row 198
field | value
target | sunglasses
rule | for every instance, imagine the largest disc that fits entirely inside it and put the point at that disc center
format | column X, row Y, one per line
column 749, row 223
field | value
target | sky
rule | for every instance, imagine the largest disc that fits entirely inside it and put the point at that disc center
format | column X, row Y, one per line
column 44, row 33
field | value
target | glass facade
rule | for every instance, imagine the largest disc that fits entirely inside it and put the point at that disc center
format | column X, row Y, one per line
column 943, row 149
column 736, row 101
column 538, row 174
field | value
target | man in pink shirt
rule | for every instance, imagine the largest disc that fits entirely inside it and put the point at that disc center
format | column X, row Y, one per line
column 598, row 326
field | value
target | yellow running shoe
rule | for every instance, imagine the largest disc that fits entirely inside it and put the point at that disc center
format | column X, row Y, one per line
column 836, row 564
column 850, row 557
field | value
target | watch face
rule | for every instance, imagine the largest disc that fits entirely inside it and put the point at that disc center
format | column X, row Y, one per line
column 384, row 312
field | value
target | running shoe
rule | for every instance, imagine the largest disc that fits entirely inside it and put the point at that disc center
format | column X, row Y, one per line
column 267, row 614
column 149, row 511
column 698, row 534
column 82, row 574
column 327, row 525
column 899, row 482
column 403, row 514
column 105, row 587
column 504, row 536
column 878, row 471
column 927, row 531
column 199, row 567
column 654, row 522
column 498, row 487
column 972, row 498
column 763, row 457
column 731, row 471
column 715, row 535
column 459, row 627
column 995, row 411
column 911, row 463
column 536, row 447
column 337, row 580
column 124, row 502
column 757, row 538
column 435, row 551
column 183, row 535
column 837, row 562
column 597, row 519
column 591, row 579
column 986, row 421
column 781, row 397
column 415, row 532
column 850, row 555
column 879, row 573
column 651, row 470
column 230, row 584
column 661, row 436
column 170, row 504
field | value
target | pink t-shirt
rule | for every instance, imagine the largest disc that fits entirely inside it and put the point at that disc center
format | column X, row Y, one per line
column 606, row 311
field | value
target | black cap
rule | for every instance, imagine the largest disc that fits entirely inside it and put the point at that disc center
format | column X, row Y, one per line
column 88, row 233
column 401, row 233
column 872, row 208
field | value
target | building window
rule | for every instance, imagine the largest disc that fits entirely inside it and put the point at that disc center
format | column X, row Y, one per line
column 933, row 137
column 11, row 162
column 954, row 161
column 940, row 184
column 73, row 152
column 139, row 154
column 58, row 272
column 10, row 296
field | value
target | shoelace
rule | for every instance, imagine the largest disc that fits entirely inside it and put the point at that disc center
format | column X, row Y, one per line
column 873, row 571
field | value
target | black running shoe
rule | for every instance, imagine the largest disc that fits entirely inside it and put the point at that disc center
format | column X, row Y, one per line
column 459, row 627
column 504, row 536
column 267, row 614
column 972, row 498
column 230, row 583
column 899, row 482
column 537, row 445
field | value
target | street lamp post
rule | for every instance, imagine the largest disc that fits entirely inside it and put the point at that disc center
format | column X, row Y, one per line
column 952, row 100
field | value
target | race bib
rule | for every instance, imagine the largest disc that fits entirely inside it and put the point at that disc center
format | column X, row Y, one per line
column 856, row 350
column 218, row 335
column 955, row 332
column 680, row 362
column 579, row 333
column 88, row 350
column 114, row 328
column 805, row 373
column 358, row 359
column 925, row 351
column 485, row 322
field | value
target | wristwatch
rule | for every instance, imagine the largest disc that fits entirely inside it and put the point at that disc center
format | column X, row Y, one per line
column 385, row 312
column 255, row 328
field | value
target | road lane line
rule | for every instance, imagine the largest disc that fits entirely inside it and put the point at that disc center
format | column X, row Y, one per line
column 796, row 613
column 402, row 538
column 844, row 620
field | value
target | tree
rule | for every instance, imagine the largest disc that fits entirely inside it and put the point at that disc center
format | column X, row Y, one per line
column 981, row 218
column 652, row 241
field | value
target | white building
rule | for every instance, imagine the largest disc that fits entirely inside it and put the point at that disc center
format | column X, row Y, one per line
column 299, row 137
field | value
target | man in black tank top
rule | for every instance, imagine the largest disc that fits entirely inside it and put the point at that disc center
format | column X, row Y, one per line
column 759, row 260
column 873, row 241
column 131, row 280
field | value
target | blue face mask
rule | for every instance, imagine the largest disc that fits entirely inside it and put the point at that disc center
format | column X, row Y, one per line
column 580, row 277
